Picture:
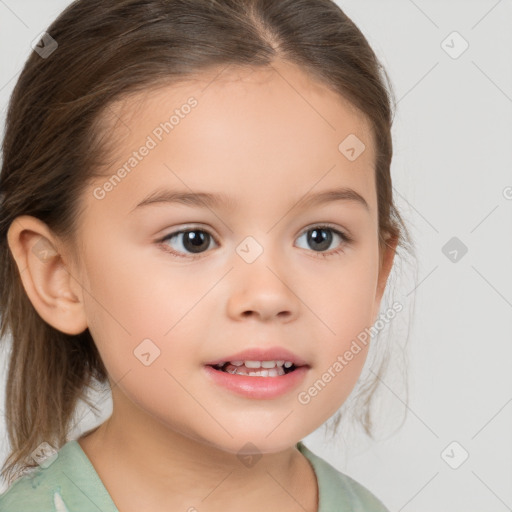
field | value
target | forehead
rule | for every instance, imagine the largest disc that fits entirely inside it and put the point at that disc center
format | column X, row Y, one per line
column 244, row 132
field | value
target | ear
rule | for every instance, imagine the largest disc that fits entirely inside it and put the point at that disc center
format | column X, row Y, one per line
column 386, row 263
column 45, row 274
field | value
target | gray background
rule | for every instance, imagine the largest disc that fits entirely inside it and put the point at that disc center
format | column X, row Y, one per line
column 451, row 170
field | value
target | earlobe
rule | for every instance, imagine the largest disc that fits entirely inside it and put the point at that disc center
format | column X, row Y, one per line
column 52, row 290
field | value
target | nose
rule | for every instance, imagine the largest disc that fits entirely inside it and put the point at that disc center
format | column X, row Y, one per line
column 259, row 290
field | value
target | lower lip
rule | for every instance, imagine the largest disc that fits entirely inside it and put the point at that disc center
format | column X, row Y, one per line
column 258, row 387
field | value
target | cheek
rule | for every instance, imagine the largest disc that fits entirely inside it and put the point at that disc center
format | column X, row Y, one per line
column 130, row 301
column 344, row 300
column 345, row 308
column 140, row 316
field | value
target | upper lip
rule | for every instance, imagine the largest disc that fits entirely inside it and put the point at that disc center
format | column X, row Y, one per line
column 260, row 354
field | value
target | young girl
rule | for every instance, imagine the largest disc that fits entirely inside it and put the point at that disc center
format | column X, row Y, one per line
column 138, row 131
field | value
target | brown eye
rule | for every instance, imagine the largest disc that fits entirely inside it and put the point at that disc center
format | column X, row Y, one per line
column 194, row 241
column 320, row 238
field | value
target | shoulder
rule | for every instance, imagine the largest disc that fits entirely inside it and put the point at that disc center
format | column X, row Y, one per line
column 338, row 491
column 61, row 483
column 33, row 491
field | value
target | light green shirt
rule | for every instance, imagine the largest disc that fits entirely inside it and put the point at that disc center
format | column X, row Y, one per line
column 68, row 482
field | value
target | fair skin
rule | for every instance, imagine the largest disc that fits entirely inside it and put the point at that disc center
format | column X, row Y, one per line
column 172, row 433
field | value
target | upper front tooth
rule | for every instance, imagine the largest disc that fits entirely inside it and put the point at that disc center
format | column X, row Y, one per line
column 262, row 364
column 253, row 364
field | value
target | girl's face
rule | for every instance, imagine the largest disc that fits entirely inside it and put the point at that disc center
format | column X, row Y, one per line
column 251, row 272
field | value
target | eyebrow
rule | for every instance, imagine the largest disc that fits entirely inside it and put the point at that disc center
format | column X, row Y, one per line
column 208, row 200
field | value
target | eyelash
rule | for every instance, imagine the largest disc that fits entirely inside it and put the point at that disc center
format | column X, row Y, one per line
column 346, row 240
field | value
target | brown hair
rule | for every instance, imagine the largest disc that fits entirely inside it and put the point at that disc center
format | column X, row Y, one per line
column 52, row 147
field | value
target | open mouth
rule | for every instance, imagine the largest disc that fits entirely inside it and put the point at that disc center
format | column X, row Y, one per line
column 258, row 380
column 256, row 368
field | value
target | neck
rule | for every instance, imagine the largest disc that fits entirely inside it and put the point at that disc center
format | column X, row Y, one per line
column 177, row 472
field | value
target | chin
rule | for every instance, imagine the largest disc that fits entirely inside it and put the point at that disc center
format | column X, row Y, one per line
column 253, row 443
